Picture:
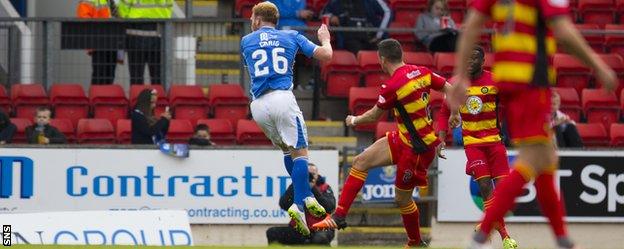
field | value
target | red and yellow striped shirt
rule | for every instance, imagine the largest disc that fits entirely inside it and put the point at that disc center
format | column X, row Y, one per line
column 409, row 88
column 479, row 114
column 524, row 45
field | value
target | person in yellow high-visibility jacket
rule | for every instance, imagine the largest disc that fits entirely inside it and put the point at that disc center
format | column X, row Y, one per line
column 143, row 39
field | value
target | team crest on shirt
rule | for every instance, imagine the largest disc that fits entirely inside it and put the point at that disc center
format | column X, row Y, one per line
column 474, row 104
column 484, row 90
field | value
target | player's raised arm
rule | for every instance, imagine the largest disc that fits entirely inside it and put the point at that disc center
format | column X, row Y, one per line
column 571, row 39
column 325, row 51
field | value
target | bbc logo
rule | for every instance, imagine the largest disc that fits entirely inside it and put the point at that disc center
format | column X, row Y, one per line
column 6, row 235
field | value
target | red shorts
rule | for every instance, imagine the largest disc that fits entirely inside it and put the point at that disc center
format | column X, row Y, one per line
column 487, row 161
column 411, row 167
column 528, row 112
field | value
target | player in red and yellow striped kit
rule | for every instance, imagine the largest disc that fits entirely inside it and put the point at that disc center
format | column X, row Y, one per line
column 412, row 148
column 487, row 156
column 524, row 45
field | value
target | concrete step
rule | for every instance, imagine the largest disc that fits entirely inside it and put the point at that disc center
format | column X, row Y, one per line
column 377, row 236
column 325, row 128
column 202, row 8
column 215, row 39
column 337, row 142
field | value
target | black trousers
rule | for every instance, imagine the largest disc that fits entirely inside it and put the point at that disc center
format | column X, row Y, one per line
column 103, row 65
column 568, row 136
column 144, row 50
column 445, row 42
column 354, row 43
column 289, row 236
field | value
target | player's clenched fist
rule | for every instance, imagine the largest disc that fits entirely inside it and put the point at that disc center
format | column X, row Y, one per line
column 350, row 121
column 323, row 33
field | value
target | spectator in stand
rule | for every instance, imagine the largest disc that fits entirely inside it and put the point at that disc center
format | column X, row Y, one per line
column 566, row 134
column 201, row 136
column 103, row 61
column 292, row 13
column 435, row 29
column 146, row 129
column 144, row 40
column 359, row 14
column 42, row 132
column 7, row 129
column 287, row 235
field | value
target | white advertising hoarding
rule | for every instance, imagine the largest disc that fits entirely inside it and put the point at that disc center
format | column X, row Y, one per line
column 154, row 228
column 213, row 186
column 588, row 182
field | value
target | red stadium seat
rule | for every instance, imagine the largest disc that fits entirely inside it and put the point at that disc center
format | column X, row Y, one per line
column 161, row 102
column 616, row 62
column 221, row 131
column 188, row 102
column 316, row 5
column 617, row 135
column 596, row 41
column 249, row 133
column 457, row 9
column 600, row 107
column 69, row 102
column 593, row 134
column 95, row 131
column 599, row 12
column 408, row 17
column 383, row 127
column 108, row 102
column 341, row 73
column 180, row 131
column 27, row 98
column 570, row 102
column 123, row 131
column 361, row 99
column 20, row 134
column 369, row 64
column 5, row 101
column 408, row 5
column 444, row 63
column 243, row 7
column 418, row 58
column 571, row 72
column 66, row 127
column 407, row 39
column 228, row 101
column 615, row 42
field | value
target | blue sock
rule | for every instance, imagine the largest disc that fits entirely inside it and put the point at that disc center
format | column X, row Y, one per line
column 300, row 178
column 288, row 162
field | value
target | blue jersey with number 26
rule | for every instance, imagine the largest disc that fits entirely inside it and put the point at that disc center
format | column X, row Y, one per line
column 270, row 54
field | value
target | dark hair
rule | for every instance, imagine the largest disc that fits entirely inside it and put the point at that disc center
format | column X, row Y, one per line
column 5, row 121
column 391, row 50
column 144, row 105
column 202, row 127
column 430, row 4
column 481, row 52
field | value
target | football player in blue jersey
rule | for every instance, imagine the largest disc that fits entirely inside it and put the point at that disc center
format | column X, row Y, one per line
column 269, row 55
